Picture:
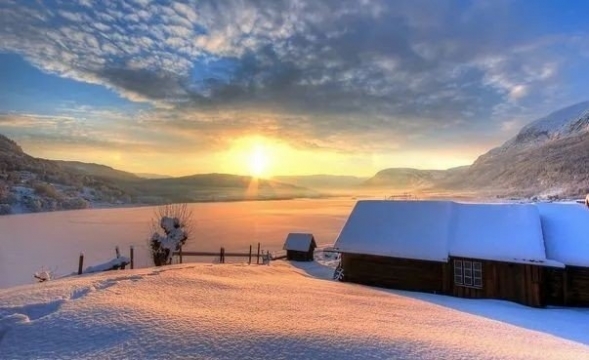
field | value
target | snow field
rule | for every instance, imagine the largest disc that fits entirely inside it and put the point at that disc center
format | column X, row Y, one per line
column 280, row 311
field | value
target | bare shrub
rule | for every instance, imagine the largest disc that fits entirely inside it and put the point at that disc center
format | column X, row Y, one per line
column 48, row 190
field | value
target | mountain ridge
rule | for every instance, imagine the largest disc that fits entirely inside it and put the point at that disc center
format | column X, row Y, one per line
column 547, row 157
column 29, row 184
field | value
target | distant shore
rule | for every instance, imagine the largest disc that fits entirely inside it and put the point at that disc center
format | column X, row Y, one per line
column 98, row 205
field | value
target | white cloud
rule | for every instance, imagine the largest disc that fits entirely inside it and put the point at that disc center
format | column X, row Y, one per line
column 345, row 67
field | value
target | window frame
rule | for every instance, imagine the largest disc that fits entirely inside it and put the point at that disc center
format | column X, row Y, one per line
column 468, row 273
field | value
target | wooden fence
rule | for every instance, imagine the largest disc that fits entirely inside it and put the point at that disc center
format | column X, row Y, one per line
column 117, row 253
column 222, row 254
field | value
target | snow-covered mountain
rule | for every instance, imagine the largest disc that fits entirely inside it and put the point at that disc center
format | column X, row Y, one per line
column 549, row 156
column 570, row 121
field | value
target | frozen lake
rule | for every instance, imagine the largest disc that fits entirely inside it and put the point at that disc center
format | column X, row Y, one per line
column 53, row 241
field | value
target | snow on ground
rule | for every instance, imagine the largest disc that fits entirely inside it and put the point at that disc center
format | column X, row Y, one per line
column 279, row 311
column 54, row 240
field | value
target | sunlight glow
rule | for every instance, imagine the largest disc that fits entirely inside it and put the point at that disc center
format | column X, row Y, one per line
column 252, row 156
column 258, row 161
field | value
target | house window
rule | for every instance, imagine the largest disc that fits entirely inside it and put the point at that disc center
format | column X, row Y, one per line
column 458, row 272
column 468, row 273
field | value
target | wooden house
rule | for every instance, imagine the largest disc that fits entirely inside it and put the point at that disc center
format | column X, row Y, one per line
column 465, row 250
column 566, row 235
column 396, row 244
column 497, row 251
column 299, row 247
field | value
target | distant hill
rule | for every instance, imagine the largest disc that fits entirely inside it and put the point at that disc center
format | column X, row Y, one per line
column 214, row 187
column 413, row 179
column 323, row 181
column 97, row 170
column 29, row 184
column 153, row 176
column 404, row 178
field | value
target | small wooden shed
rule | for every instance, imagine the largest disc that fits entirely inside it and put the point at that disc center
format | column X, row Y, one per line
column 566, row 235
column 300, row 246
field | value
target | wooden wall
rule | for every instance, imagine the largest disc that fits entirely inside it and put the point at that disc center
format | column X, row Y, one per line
column 396, row 273
column 521, row 283
column 299, row 255
column 567, row 287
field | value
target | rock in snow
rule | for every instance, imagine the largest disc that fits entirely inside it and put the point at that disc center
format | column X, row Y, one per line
column 277, row 312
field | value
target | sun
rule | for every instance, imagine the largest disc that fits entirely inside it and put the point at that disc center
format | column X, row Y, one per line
column 259, row 161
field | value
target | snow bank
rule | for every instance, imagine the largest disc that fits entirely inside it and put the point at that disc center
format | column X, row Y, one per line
column 500, row 232
column 254, row 312
column 405, row 229
column 114, row 264
column 298, row 242
column 566, row 232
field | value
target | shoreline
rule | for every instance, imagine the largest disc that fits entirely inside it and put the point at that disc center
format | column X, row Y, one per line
column 103, row 206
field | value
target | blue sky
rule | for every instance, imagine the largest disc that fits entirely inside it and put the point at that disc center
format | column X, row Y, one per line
column 365, row 85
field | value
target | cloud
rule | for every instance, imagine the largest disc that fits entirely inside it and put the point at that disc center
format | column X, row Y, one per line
column 345, row 75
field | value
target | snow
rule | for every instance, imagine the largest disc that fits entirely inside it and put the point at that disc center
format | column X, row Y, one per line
column 566, row 232
column 298, row 242
column 404, row 229
column 435, row 230
column 174, row 236
column 109, row 265
column 277, row 311
column 500, row 232
column 559, row 121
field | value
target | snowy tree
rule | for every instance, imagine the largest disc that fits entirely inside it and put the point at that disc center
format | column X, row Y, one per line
column 172, row 220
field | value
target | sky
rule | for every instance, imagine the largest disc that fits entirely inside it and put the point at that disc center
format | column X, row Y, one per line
column 284, row 87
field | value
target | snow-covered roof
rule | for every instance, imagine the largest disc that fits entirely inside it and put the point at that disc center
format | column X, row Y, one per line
column 566, row 232
column 499, row 232
column 406, row 229
column 298, row 242
column 436, row 230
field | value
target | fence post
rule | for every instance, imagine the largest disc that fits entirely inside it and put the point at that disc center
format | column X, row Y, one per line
column 80, row 263
column 258, row 257
column 180, row 254
column 222, row 255
column 132, row 256
column 249, row 261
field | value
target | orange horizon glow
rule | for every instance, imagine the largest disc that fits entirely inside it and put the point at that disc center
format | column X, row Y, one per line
column 259, row 156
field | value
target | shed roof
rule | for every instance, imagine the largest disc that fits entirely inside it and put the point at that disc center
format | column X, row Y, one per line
column 406, row 229
column 298, row 242
column 500, row 232
column 566, row 232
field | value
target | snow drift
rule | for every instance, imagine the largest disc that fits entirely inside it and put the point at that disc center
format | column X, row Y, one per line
column 277, row 311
